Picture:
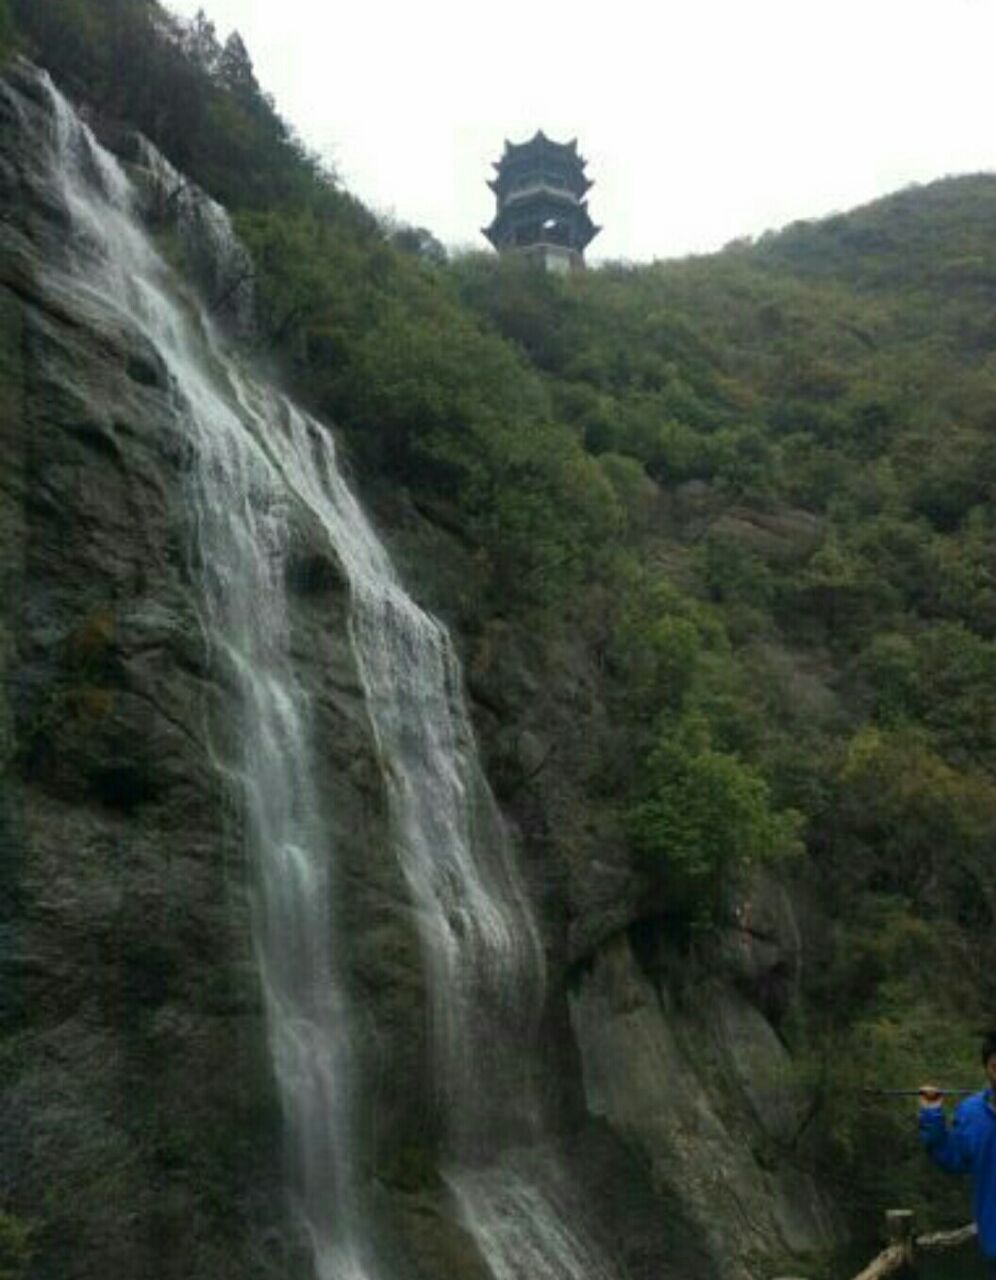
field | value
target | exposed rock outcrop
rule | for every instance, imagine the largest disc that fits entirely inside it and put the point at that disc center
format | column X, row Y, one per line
column 703, row 1091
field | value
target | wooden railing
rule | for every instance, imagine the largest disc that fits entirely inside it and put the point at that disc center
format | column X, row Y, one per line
column 904, row 1245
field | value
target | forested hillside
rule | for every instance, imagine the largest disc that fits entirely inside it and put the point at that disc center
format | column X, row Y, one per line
column 753, row 492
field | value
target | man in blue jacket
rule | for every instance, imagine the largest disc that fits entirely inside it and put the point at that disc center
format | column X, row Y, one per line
column 968, row 1145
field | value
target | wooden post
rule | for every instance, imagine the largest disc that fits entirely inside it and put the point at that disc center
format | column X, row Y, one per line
column 900, row 1256
column 899, row 1233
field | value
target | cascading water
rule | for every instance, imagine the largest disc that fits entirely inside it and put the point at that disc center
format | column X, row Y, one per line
column 239, row 504
column 481, row 943
column 254, row 454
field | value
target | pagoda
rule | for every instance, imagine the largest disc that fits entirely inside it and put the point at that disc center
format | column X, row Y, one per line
column 540, row 187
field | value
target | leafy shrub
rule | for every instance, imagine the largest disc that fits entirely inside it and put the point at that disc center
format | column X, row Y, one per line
column 705, row 817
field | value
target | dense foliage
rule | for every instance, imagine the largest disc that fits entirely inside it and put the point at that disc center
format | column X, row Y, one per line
column 817, row 412
column 758, row 486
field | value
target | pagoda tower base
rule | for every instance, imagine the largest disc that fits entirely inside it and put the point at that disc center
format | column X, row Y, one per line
column 558, row 259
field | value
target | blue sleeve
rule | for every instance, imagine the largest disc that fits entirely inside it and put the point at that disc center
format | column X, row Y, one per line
column 944, row 1146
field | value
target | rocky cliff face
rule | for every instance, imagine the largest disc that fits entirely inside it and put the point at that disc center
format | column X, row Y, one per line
column 695, row 1078
column 142, row 1131
column 143, row 1135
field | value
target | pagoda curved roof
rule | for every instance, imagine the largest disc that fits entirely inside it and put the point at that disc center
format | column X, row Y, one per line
column 540, row 142
column 540, row 160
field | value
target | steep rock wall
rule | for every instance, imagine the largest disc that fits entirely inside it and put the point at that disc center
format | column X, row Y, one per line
column 132, row 1041
column 703, row 1091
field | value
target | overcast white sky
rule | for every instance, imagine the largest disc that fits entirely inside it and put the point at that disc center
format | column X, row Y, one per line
column 702, row 120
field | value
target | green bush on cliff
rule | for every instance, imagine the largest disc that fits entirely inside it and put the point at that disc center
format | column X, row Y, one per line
column 705, row 816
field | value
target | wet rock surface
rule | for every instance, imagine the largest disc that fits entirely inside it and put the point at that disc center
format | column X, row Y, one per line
column 143, row 1136
column 131, row 1050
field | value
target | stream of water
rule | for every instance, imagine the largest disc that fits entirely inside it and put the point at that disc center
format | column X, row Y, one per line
column 254, row 455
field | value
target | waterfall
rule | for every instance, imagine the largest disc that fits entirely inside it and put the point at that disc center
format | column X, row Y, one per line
column 254, row 455
column 239, row 502
column 479, row 936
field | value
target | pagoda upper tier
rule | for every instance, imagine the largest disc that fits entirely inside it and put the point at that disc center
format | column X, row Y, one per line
column 540, row 185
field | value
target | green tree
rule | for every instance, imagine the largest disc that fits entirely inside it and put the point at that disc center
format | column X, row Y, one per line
column 199, row 40
column 909, row 823
column 704, row 817
column 889, row 664
column 234, row 69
